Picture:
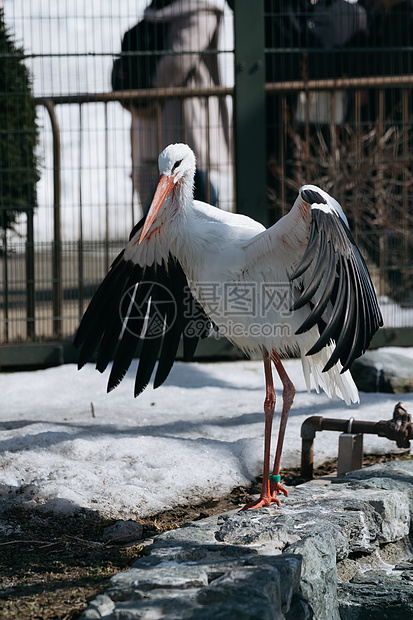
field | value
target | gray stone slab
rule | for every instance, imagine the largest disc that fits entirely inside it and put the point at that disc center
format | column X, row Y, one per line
column 257, row 587
column 383, row 371
column 319, row 574
column 280, row 563
column 370, row 599
column 357, row 521
column 123, row 532
column 392, row 476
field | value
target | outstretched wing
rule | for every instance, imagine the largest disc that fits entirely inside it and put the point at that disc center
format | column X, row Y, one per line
column 145, row 306
column 337, row 281
column 329, row 275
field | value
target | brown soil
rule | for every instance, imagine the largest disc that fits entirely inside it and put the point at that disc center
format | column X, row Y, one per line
column 50, row 566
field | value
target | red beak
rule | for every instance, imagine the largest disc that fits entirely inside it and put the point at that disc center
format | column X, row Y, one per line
column 165, row 186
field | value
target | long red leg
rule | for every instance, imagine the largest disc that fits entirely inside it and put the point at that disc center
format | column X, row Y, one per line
column 269, row 406
column 288, row 397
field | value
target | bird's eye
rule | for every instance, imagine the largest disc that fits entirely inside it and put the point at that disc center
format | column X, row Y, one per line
column 176, row 164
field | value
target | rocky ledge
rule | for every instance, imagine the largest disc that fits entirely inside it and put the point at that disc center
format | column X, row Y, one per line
column 336, row 549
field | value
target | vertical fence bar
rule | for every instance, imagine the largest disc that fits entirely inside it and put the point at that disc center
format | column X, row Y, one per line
column 132, row 202
column 380, row 201
column 358, row 163
column 249, row 109
column 283, row 124
column 333, row 141
column 184, row 125
column 57, row 290
column 30, row 284
column 306, row 146
column 107, row 240
column 406, row 193
column 80, row 273
column 159, row 127
column 6, row 288
column 57, row 232
column 57, row 297
column 208, row 155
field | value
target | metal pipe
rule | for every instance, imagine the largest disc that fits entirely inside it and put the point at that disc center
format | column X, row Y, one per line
column 142, row 95
column 385, row 81
column 391, row 429
column 49, row 103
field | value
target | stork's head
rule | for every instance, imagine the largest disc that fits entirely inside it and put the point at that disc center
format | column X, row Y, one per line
column 177, row 169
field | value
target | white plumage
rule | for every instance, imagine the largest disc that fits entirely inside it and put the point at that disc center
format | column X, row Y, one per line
column 300, row 286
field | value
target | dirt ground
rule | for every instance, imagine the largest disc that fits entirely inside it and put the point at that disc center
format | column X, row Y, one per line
column 50, row 566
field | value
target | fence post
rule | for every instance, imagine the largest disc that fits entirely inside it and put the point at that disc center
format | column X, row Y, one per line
column 5, row 335
column 57, row 285
column 30, row 274
column 249, row 109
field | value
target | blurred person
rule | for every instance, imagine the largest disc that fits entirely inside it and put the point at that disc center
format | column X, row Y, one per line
column 191, row 31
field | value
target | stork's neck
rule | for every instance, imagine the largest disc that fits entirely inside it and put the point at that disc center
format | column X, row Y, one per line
column 178, row 209
column 186, row 240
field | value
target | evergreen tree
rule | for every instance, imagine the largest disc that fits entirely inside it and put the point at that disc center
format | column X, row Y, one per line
column 18, row 133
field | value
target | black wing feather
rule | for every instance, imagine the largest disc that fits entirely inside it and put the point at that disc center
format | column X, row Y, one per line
column 115, row 324
column 319, row 308
column 335, row 319
column 318, row 273
column 133, row 306
column 191, row 322
column 179, row 288
column 349, row 325
column 309, row 254
column 339, row 269
column 148, row 358
column 167, row 355
column 104, row 301
column 130, row 299
column 160, row 309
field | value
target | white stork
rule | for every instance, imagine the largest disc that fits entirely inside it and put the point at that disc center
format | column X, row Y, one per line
column 300, row 286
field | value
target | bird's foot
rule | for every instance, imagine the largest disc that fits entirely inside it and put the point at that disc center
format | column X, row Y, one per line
column 268, row 497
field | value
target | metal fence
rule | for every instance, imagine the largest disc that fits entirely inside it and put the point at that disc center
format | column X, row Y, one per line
column 350, row 135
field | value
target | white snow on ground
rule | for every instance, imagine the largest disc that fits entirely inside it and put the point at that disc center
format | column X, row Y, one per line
column 193, row 439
